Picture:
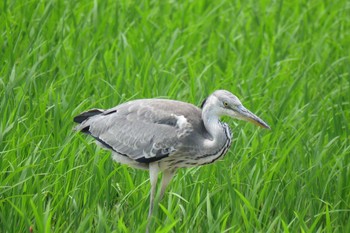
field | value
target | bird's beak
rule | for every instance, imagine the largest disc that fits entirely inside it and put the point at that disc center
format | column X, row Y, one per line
column 245, row 114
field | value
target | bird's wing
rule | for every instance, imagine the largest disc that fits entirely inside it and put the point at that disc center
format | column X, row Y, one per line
column 143, row 130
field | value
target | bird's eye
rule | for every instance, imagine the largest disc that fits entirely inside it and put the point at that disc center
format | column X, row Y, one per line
column 225, row 104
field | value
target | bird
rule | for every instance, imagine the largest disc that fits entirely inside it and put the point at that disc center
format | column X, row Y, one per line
column 163, row 135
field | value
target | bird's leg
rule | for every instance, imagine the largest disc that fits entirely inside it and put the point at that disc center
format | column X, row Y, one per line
column 167, row 176
column 153, row 175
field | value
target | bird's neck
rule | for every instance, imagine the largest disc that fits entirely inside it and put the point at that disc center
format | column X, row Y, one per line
column 215, row 128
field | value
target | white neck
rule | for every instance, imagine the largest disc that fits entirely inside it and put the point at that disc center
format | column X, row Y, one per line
column 214, row 128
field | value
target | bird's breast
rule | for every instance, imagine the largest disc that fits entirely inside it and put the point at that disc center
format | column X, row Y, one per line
column 196, row 155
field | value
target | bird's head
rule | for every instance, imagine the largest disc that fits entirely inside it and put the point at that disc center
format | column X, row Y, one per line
column 224, row 103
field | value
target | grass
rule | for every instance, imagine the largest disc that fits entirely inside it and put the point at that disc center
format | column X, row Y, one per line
column 288, row 61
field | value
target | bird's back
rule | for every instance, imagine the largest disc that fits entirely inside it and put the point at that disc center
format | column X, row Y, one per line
column 146, row 130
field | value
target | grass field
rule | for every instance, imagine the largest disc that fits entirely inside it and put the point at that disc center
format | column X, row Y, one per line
column 288, row 61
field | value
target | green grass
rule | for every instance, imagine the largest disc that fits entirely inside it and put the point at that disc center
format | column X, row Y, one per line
column 288, row 61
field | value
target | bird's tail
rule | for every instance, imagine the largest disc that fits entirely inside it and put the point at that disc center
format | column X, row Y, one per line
column 86, row 115
column 83, row 118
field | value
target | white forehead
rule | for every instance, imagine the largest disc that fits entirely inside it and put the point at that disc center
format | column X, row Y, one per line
column 227, row 96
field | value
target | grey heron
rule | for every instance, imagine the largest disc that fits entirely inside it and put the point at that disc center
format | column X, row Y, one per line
column 162, row 135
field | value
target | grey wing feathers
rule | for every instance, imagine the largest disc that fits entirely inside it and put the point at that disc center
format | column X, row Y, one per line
column 143, row 130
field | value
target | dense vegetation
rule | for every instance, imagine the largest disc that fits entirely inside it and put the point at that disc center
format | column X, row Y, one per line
column 288, row 61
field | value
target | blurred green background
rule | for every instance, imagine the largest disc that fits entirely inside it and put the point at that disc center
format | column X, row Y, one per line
column 288, row 61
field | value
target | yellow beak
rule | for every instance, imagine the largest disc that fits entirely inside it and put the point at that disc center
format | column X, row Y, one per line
column 245, row 114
